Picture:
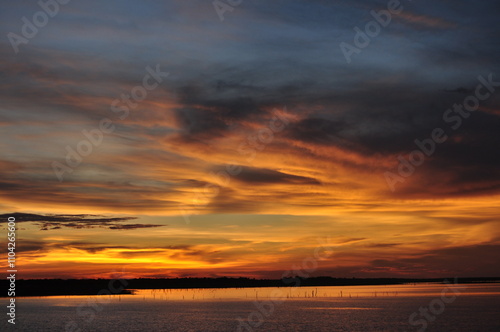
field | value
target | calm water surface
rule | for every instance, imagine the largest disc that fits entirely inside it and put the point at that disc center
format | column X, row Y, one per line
column 473, row 307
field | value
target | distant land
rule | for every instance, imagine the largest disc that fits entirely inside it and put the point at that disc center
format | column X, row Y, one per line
column 58, row 287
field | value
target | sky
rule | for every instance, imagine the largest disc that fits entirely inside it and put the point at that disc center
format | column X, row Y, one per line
column 182, row 138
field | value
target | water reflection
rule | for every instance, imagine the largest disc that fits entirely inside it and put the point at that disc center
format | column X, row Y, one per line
column 314, row 292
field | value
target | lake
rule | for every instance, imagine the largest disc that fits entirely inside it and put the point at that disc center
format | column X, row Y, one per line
column 420, row 307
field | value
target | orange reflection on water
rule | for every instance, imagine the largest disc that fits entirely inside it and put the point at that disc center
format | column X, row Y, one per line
column 317, row 292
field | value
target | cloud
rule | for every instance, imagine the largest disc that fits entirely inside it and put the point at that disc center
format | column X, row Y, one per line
column 464, row 261
column 27, row 246
column 425, row 21
column 257, row 176
column 52, row 221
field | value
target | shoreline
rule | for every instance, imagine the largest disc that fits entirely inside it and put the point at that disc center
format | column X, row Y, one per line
column 83, row 287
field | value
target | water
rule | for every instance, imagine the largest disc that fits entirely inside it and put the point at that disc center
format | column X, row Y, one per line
column 354, row 308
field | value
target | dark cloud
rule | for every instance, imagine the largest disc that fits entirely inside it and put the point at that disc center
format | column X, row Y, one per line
column 461, row 90
column 462, row 261
column 134, row 226
column 254, row 175
column 469, row 261
column 52, row 221
column 26, row 246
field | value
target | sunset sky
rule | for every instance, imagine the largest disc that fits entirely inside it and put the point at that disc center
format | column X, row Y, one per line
column 260, row 145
